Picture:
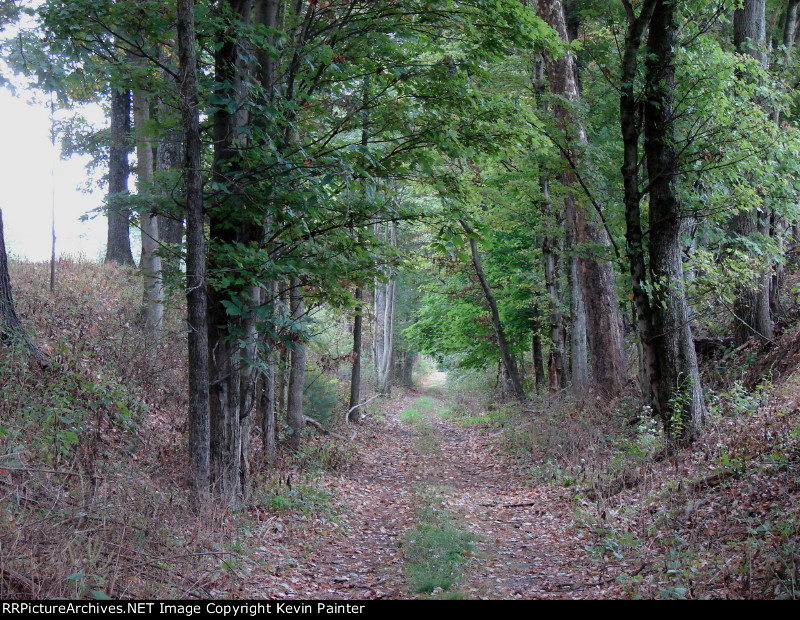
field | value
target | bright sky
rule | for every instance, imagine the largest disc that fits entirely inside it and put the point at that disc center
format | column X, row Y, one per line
column 33, row 177
column 27, row 187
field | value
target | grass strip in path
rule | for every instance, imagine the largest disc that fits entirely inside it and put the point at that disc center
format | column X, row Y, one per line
column 437, row 548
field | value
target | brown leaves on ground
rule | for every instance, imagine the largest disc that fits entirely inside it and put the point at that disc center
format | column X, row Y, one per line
column 527, row 546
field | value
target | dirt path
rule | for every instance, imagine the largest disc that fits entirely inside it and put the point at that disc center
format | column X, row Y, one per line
column 523, row 545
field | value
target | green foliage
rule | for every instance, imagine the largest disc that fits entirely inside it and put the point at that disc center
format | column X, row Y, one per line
column 304, row 499
column 61, row 417
column 422, row 406
column 320, row 396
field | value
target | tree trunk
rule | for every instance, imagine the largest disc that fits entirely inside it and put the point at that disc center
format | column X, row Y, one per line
column 509, row 365
column 634, row 237
column 153, row 294
column 11, row 330
column 752, row 316
column 383, row 333
column 265, row 391
column 551, row 254
column 118, row 245
column 679, row 396
column 408, row 369
column 790, row 24
column 558, row 334
column 170, row 223
column 196, row 291
column 596, row 276
column 578, row 342
column 232, row 339
column 284, row 363
column 294, row 408
column 750, row 30
column 537, row 357
column 355, row 375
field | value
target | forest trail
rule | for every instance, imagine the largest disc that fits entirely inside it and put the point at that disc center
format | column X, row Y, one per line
column 422, row 486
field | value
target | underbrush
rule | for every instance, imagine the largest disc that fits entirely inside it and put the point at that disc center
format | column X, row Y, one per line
column 554, row 440
column 717, row 519
column 469, row 392
column 93, row 492
column 278, row 494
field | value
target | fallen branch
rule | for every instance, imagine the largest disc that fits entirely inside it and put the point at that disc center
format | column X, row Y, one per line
column 570, row 587
column 322, row 429
column 354, row 407
column 520, row 505
column 714, row 479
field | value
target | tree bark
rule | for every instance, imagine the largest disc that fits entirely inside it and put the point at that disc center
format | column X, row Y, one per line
column 752, row 316
column 596, row 276
column 551, row 255
column 170, row 221
column 295, row 418
column 196, row 291
column 634, row 237
column 790, row 24
column 537, row 356
column 355, row 374
column 558, row 334
column 266, row 391
column 11, row 330
column 153, row 292
column 232, row 339
column 118, row 244
column 578, row 333
column 383, row 333
column 679, row 396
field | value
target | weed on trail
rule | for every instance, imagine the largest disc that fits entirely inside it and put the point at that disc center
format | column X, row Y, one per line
column 436, row 549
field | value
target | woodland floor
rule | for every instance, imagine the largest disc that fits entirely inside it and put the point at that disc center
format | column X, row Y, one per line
column 524, row 544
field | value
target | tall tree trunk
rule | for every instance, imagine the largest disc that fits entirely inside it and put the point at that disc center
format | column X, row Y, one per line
column 752, row 316
column 537, row 357
column 790, row 24
column 295, row 417
column 118, row 245
column 355, row 375
column 509, row 365
column 232, row 340
column 11, row 330
column 282, row 382
column 558, row 334
column 578, row 341
column 679, row 395
column 196, row 291
column 634, row 237
column 596, row 276
column 153, row 293
column 266, row 391
column 383, row 333
column 171, row 223
column 551, row 254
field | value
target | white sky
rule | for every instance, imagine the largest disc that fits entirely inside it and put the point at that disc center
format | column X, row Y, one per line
column 26, row 187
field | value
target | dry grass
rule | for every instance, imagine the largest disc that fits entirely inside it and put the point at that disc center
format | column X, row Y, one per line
column 720, row 519
column 91, row 467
